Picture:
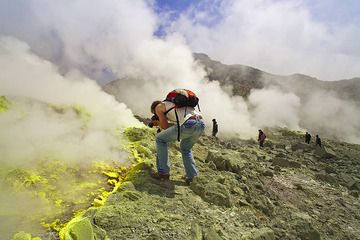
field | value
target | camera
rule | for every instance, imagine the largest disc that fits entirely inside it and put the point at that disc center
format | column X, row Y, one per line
column 153, row 118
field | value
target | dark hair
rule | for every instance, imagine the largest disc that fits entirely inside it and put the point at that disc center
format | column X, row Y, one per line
column 153, row 106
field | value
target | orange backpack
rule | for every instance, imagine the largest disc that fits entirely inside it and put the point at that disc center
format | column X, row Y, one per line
column 181, row 98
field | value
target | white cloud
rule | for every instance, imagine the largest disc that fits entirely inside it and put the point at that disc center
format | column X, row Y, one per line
column 79, row 34
column 31, row 129
column 325, row 112
column 272, row 108
column 281, row 37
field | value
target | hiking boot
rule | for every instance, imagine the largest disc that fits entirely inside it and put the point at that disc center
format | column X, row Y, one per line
column 160, row 176
column 188, row 181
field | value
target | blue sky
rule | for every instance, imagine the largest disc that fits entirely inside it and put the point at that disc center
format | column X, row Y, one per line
column 172, row 9
column 322, row 10
column 175, row 5
column 330, row 11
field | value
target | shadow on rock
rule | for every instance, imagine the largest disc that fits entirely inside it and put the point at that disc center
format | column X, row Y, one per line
column 140, row 179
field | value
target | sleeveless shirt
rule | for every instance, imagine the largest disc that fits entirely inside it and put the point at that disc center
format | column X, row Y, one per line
column 183, row 113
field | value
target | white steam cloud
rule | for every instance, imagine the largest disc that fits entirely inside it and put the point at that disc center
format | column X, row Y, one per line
column 68, row 117
column 281, row 37
column 272, row 108
column 329, row 114
column 98, row 39
column 321, row 112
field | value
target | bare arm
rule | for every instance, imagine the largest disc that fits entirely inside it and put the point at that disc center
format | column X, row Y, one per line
column 160, row 112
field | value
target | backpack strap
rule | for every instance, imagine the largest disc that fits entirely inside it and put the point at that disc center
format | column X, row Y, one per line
column 178, row 125
column 177, row 121
column 170, row 110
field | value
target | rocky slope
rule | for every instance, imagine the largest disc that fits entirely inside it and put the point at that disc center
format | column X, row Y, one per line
column 286, row 190
column 243, row 79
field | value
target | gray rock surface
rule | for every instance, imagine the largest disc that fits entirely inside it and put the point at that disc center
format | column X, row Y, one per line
column 240, row 193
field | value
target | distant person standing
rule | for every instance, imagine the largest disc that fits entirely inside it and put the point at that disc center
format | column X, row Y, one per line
column 318, row 141
column 261, row 138
column 307, row 138
column 215, row 128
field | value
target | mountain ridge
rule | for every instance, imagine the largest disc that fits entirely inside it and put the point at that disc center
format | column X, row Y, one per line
column 245, row 78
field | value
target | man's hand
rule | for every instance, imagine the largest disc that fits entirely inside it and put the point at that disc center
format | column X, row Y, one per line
column 153, row 123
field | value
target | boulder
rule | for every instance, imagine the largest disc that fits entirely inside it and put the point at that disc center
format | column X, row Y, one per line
column 282, row 162
column 324, row 152
column 281, row 155
column 211, row 234
column 196, row 232
column 259, row 234
column 354, row 185
column 265, row 205
column 330, row 169
column 346, row 180
column 280, row 146
column 300, row 146
column 22, row 236
column 268, row 173
column 226, row 161
column 354, row 193
column 326, row 178
column 305, row 230
column 78, row 228
column 212, row 192
column 269, row 144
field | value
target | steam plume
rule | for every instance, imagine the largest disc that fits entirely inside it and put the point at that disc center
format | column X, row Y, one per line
column 30, row 124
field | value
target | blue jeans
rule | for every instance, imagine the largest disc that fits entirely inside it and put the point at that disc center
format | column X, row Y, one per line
column 190, row 132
